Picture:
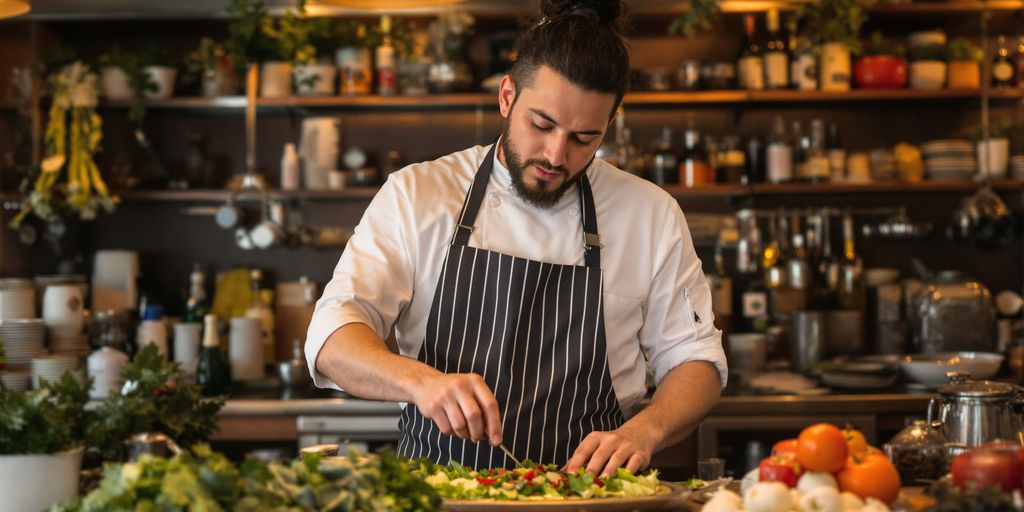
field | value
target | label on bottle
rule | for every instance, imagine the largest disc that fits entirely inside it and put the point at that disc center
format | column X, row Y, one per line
column 780, row 162
column 751, row 75
column 805, row 72
column 776, row 70
column 837, row 164
column 755, row 304
column 1002, row 71
column 818, row 167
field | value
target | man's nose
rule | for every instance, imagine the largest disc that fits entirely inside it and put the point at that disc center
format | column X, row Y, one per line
column 554, row 150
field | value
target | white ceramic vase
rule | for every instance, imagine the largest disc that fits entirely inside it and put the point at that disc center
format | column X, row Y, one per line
column 115, row 84
column 927, row 74
column 993, row 157
column 163, row 77
column 30, row 483
column 275, row 80
column 315, row 79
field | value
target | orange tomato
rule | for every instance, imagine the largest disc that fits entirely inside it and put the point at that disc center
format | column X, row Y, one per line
column 822, row 447
column 785, row 446
column 870, row 476
column 855, row 441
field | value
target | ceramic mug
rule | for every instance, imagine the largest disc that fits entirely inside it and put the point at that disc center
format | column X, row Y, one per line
column 62, row 308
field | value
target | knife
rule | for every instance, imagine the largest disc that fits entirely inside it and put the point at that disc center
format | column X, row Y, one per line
column 509, row 453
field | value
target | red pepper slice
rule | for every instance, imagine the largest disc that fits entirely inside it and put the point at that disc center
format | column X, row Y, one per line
column 486, row 481
column 598, row 481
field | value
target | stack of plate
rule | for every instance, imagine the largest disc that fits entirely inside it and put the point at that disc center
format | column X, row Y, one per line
column 23, row 340
column 1017, row 167
column 949, row 159
column 41, row 282
column 16, row 380
column 74, row 344
column 17, row 299
column 52, row 368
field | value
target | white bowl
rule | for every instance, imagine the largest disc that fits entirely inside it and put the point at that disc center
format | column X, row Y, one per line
column 931, row 369
column 926, row 37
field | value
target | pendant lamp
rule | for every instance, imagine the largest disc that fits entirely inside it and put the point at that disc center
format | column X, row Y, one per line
column 387, row 5
column 12, row 8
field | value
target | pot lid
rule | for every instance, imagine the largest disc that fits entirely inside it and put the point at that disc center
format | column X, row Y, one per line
column 979, row 389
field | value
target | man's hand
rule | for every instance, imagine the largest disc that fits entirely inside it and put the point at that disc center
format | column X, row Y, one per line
column 604, row 452
column 462, row 405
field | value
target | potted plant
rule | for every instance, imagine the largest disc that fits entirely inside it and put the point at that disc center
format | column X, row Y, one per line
column 252, row 42
column 882, row 65
column 928, row 66
column 699, row 15
column 211, row 65
column 314, row 61
column 964, row 70
column 993, row 152
column 41, row 444
column 121, row 75
column 834, row 25
column 159, row 68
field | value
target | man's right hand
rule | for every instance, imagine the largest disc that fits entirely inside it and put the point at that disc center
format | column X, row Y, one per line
column 462, row 405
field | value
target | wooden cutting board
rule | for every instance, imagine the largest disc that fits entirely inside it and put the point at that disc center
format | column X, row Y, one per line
column 670, row 497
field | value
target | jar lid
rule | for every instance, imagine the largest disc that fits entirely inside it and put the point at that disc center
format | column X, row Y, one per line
column 979, row 389
column 917, row 435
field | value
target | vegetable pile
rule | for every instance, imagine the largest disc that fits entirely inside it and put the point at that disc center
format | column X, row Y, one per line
column 534, row 482
column 203, row 480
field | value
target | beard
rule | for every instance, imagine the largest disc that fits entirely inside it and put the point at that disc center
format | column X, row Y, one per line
column 536, row 195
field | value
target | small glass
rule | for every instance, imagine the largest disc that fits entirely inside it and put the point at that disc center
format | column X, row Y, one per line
column 710, row 470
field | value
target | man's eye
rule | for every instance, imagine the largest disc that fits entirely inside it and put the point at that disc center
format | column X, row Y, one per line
column 542, row 128
column 585, row 141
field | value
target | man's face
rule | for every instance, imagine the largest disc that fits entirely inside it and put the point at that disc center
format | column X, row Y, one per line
column 550, row 134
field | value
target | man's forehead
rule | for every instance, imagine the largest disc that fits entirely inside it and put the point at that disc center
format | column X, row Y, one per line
column 565, row 102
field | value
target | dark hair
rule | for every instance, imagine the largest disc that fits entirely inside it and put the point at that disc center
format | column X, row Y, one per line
column 582, row 41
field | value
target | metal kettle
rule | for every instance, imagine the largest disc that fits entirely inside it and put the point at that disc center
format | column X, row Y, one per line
column 970, row 413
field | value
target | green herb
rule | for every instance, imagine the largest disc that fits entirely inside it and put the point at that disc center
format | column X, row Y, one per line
column 961, row 49
column 834, row 21
column 877, row 45
column 156, row 397
column 951, row 499
column 700, row 15
column 50, row 419
column 935, row 52
column 693, row 484
column 138, row 79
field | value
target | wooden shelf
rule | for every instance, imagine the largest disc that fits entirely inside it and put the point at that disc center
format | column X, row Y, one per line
column 489, row 100
column 678, row 191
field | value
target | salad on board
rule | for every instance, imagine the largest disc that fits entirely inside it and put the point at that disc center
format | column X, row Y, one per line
column 534, row 482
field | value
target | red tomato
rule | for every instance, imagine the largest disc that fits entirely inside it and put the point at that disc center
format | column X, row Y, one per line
column 822, row 447
column 780, row 468
column 486, row 481
column 785, row 446
column 986, row 467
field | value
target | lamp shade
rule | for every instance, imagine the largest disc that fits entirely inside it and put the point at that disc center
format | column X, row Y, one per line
column 12, row 8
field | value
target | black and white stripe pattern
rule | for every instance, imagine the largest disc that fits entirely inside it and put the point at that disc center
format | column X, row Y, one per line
column 535, row 332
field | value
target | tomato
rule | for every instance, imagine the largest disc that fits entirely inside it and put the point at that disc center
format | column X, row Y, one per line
column 785, row 446
column 780, row 468
column 986, row 467
column 870, row 476
column 855, row 441
column 822, row 447
column 487, row 481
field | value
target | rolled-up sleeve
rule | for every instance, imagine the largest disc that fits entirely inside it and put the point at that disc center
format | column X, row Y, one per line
column 373, row 280
column 678, row 322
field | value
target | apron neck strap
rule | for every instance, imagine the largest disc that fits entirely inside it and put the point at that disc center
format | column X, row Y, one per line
column 475, row 197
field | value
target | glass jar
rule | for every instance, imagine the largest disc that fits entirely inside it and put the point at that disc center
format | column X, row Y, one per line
column 919, row 452
column 953, row 313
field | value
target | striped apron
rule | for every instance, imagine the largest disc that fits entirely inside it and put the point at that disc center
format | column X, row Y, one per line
column 533, row 330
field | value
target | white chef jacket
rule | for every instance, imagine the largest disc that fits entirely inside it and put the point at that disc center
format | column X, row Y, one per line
column 657, row 303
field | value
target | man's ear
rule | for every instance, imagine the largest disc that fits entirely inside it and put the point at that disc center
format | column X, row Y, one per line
column 506, row 95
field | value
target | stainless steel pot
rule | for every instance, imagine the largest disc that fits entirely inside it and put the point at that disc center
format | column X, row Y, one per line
column 970, row 413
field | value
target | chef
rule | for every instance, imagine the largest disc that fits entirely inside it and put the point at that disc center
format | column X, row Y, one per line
column 529, row 286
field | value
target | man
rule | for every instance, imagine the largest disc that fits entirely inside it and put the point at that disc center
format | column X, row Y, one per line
column 527, row 282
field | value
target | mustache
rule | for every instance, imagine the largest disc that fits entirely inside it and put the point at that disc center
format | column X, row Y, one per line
column 544, row 164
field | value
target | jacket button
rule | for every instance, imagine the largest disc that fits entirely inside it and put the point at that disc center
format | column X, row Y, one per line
column 574, row 211
column 494, row 200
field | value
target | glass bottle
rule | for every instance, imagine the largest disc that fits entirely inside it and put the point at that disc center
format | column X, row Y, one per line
column 1020, row 62
column 213, row 372
column 609, row 149
column 780, row 154
column 817, row 162
column 260, row 308
column 664, row 163
column 721, row 291
column 801, row 143
column 693, row 169
column 196, row 307
column 1003, row 70
column 776, row 58
column 750, row 62
column 753, row 298
column 851, row 280
column 836, row 153
column 387, row 83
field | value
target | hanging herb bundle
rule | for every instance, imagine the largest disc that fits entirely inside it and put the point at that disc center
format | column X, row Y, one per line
column 68, row 176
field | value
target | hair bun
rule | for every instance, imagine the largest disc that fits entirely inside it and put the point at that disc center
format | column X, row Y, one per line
column 610, row 13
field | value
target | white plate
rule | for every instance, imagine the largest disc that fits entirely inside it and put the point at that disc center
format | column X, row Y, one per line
column 931, row 369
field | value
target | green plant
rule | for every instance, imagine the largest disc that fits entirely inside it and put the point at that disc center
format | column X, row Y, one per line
column 1004, row 129
column 961, row 49
column 50, row 419
column 156, row 397
column 877, row 45
column 699, row 15
column 834, row 21
column 133, row 65
column 928, row 52
column 153, row 53
column 247, row 40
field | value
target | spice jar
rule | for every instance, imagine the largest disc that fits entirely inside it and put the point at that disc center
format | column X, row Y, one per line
column 919, row 452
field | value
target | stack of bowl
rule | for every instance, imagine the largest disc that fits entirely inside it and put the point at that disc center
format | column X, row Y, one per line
column 24, row 340
column 949, row 160
column 1017, row 167
column 52, row 368
column 17, row 299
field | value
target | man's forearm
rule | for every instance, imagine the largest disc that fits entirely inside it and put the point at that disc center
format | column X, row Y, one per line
column 681, row 401
column 356, row 359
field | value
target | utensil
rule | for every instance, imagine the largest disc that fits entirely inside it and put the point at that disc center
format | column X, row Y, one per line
column 971, row 413
column 294, row 373
column 932, row 369
column 509, row 453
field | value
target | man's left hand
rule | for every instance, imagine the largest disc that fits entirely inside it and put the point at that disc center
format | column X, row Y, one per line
column 604, row 452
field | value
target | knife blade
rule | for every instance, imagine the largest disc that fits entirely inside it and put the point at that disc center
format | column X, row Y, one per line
column 509, row 453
